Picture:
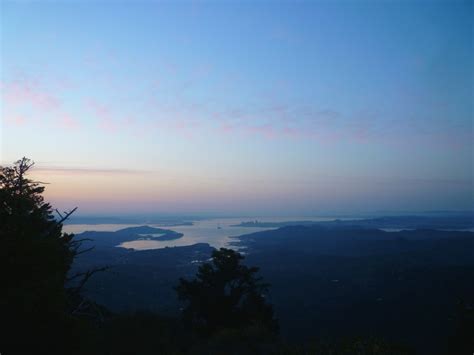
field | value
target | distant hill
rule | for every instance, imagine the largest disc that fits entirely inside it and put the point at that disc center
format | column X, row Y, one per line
column 454, row 222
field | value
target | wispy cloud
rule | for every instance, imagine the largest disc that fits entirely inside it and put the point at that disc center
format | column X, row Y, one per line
column 68, row 122
column 174, row 108
column 29, row 91
column 15, row 120
column 86, row 171
column 28, row 97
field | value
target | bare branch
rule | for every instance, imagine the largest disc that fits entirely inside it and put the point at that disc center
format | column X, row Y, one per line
column 66, row 216
column 86, row 276
column 59, row 213
column 85, row 251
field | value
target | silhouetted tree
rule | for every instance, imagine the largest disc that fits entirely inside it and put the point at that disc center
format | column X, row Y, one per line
column 225, row 294
column 35, row 258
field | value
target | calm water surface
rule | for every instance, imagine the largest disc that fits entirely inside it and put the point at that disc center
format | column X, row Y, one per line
column 203, row 231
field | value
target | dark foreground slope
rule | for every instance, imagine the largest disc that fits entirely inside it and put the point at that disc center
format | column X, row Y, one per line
column 403, row 286
column 325, row 282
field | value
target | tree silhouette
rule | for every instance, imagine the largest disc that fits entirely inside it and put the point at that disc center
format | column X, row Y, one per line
column 225, row 294
column 35, row 257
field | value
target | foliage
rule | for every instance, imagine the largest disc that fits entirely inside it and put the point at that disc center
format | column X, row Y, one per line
column 35, row 258
column 225, row 294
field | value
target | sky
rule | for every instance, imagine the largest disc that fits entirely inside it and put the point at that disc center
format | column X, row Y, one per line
column 241, row 107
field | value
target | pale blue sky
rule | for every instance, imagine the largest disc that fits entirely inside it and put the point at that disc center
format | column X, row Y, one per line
column 242, row 106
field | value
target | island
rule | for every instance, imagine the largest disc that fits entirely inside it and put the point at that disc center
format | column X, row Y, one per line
column 112, row 239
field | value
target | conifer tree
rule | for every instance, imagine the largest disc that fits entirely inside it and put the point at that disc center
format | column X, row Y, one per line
column 226, row 295
column 35, row 258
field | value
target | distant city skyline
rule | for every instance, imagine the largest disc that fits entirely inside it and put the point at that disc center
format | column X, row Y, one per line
column 241, row 108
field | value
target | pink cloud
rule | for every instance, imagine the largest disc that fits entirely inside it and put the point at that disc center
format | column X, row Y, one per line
column 227, row 128
column 68, row 122
column 29, row 92
column 16, row 120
